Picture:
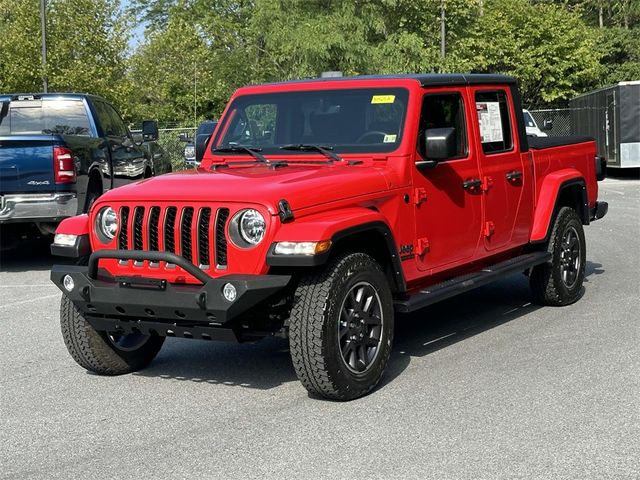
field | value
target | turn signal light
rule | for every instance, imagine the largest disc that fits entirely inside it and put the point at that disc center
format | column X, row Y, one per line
column 302, row 248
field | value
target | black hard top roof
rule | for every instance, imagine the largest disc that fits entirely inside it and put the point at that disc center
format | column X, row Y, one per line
column 425, row 79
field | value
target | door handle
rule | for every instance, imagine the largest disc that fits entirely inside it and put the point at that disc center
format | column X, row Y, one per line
column 472, row 184
column 514, row 175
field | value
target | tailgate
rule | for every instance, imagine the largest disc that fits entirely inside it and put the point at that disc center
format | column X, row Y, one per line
column 26, row 163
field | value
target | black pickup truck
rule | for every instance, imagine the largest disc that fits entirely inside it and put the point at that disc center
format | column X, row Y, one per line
column 61, row 151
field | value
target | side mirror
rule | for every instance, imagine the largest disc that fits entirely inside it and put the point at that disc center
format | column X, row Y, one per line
column 201, row 145
column 547, row 124
column 439, row 144
column 149, row 130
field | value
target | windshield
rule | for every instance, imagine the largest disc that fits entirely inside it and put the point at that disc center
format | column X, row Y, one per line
column 528, row 120
column 29, row 117
column 352, row 120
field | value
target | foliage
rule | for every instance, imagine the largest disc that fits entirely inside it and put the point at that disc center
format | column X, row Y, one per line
column 86, row 42
column 196, row 52
column 553, row 54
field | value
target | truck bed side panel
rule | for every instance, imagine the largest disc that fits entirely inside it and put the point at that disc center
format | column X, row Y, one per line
column 567, row 162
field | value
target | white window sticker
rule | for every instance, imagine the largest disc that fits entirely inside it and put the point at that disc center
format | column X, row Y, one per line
column 490, row 122
column 389, row 138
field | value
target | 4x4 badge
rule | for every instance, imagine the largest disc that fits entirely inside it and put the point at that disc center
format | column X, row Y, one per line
column 406, row 251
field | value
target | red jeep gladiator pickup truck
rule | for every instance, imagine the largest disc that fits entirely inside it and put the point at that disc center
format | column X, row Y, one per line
column 320, row 208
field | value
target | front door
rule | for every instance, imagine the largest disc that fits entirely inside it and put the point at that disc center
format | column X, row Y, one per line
column 127, row 158
column 502, row 167
column 448, row 215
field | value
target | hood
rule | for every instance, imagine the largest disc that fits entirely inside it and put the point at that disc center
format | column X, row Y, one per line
column 301, row 185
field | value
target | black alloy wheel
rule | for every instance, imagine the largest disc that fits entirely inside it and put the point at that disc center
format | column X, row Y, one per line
column 559, row 281
column 570, row 261
column 360, row 327
column 128, row 342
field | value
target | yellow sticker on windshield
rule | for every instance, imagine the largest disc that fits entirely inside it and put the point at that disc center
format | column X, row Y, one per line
column 383, row 99
column 389, row 138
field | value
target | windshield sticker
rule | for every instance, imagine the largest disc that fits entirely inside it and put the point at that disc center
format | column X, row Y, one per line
column 490, row 121
column 389, row 138
column 383, row 99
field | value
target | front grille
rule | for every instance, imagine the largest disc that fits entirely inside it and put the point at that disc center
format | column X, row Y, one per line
column 123, row 238
column 221, row 239
column 185, row 237
column 195, row 233
column 203, row 236
column 169, row 230
column 154, row 218
column 137, row 228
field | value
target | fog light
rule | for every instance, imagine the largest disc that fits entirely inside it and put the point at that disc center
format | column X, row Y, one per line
column 229, row 292
column 67, row 282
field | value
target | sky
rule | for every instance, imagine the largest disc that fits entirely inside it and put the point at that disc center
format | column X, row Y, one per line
column 137, row 36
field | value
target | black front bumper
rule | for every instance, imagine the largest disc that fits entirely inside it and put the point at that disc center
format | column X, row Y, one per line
column 125, row 304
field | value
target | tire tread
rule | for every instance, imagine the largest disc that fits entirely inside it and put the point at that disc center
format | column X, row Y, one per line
column 306, row 328
column 91, row 351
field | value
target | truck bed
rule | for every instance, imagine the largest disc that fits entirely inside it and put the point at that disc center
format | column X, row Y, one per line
column 540, row 143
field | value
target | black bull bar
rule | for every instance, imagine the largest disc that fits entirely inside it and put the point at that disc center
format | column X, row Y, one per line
column 155, row 306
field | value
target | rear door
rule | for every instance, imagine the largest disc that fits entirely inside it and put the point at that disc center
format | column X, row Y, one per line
column 502, row 168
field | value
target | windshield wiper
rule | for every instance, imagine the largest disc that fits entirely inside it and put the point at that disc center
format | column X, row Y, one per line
column 253, row 151
column 306, row 147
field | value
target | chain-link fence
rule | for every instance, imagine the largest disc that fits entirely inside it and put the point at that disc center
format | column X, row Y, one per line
column 171, row 143
column 173, row 146
column 555, row 122
column 560, row 122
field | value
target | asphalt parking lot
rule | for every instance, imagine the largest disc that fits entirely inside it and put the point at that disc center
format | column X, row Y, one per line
column 483, row 386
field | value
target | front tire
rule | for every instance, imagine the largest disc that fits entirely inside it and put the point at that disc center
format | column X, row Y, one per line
column 560, row 282
column 101, row 352
column 341, row 328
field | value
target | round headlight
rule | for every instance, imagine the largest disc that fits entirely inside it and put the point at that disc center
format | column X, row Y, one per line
column 107, row 223
column 247, row 228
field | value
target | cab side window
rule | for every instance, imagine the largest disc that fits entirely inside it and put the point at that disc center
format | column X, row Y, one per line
column 118, row 126
column 493, row 119
column 111, row 123
column 444, row 111
column 104, row 118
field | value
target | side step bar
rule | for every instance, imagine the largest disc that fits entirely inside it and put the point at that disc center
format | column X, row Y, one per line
column 464, row 283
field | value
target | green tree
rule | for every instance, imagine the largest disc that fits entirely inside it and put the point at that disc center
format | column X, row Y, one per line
column 20, row 67
column 548, row 45
column 86, row 47
column 549, row 49
column 193, row 57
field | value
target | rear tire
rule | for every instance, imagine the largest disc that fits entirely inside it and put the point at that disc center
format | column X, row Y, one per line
column 100, row 352
column 559, row 282
column 341, row 328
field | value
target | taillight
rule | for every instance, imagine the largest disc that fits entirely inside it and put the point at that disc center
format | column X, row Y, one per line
column 64, row 169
